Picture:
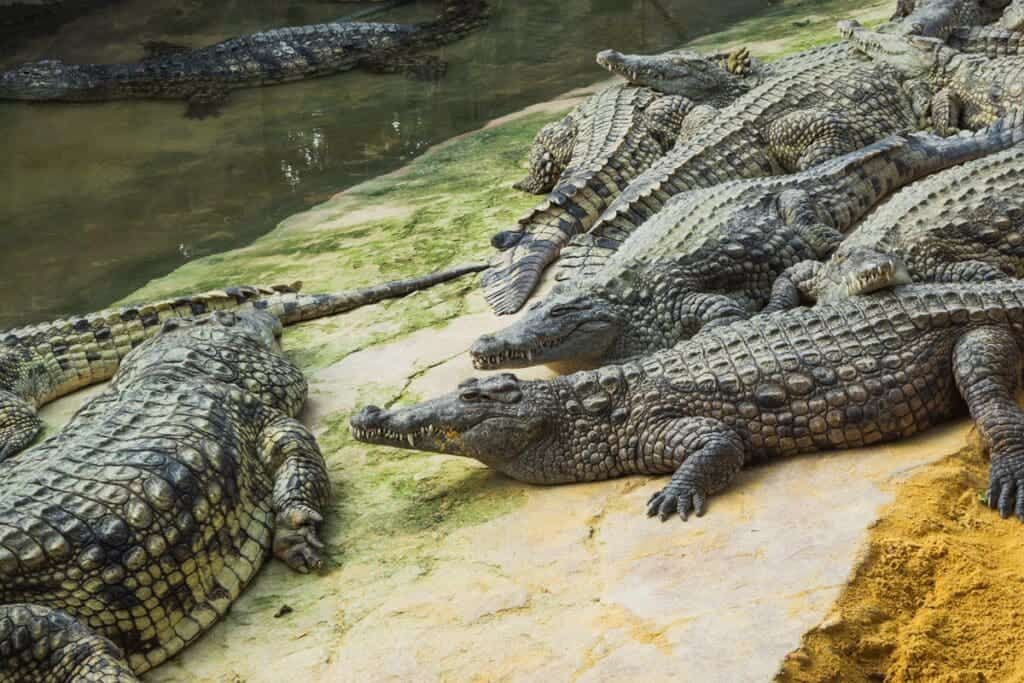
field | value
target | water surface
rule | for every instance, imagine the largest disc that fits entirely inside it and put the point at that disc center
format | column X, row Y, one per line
column 97, row 199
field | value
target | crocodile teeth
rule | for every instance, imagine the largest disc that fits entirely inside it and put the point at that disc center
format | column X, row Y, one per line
column 411, row 439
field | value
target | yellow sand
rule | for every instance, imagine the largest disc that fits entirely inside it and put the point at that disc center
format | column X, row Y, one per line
column 938, row 595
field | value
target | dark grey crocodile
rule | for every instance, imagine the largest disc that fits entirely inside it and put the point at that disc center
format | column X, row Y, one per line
column 962, row 225
column 125, row 536
column 203, row 77
column 960, row 90
column 712, row 255
column 825, row 104
column 864, row 370
column 40, row 363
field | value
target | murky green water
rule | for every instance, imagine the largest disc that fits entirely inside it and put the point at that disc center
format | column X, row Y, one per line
column 97, row 199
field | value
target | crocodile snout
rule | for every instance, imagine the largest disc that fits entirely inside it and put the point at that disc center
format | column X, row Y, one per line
column 609, row 57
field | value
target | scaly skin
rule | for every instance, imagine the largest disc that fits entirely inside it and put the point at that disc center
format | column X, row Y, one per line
column 861, row 371
column 43, row 362
column 128, row 534
column 820, row 104
column 962, row 225
column 966, row 91
column 590, row 135
column 711, row 256
column 939, row 18
column 991, row 41
column 204, row 76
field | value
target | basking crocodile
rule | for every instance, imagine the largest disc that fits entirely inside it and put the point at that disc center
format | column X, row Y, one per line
column 585, row 160
column 991, row 41
column 819, row 105
column 860, row 371
column 40, row 363
column 712, row 255
column 964, row 224
column 203, row 77
column 963, row 91
column 129, row 533
column 595, row 132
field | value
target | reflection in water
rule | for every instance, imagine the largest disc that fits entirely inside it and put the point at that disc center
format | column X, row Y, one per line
column 100, row 198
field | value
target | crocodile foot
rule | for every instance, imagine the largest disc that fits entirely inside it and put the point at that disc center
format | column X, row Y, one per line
column 680, row 498
column 296, row 541
column 1006, row 486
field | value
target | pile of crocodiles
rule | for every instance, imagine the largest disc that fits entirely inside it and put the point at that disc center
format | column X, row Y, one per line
column 757, row 260
column 204, row 77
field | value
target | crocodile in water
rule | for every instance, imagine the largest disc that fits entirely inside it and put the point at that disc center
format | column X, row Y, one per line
column 204, row 76
column 864, row 370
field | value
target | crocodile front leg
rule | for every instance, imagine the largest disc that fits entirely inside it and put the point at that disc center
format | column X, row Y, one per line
column 707, row 453
column 986, row 364
column 42, row 645
column 961, row 271
column 549, row 156
column 19, row 424
column 301, row 490
column 946, row 111
column 793, row 287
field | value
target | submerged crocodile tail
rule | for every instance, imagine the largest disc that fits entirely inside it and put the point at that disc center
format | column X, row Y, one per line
column 293, row 308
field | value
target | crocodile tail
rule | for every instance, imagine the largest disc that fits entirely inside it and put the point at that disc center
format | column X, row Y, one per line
column 294, row 307
column 127, row 325
column 991, row 41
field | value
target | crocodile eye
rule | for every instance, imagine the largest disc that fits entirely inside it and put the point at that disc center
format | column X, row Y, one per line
column 470, row 396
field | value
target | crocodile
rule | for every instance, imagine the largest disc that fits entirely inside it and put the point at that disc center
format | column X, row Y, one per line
column 824, row 103
column 961, row 225
column 40, row 363
column 860, row 371
column 126, row 535
column 591, row 134
column 1013, row 16
column 585, row 160
column 204, row 76
column 991, row 41
column 961, row 90
column 711, row 256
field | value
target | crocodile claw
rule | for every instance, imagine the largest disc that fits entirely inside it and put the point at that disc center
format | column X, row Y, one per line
column 683, row 500
column 1006, row 490
column 296, row 542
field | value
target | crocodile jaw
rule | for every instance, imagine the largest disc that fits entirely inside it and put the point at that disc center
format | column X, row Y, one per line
column 554, row 330
column 913, row 56
column 677, row 72
column 494, row 420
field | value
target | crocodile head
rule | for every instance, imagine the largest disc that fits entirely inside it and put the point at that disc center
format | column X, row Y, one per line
column 912, row 56
column 49, row 79
column 500, row 420
column 859, row 270
column 677, row 72
column 570, row 324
